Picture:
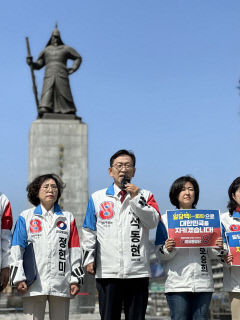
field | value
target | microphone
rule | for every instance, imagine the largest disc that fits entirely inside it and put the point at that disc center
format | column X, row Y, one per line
column 124, row 181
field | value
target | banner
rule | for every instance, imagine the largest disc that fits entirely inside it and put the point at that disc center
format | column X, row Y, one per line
column 233, row 239
column 194, row 228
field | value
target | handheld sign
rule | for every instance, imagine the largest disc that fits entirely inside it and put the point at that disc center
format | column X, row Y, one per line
column 194, row 228
column 233, row 239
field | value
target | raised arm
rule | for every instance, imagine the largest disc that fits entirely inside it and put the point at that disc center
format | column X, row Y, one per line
column 39, row 63
column 145, row 208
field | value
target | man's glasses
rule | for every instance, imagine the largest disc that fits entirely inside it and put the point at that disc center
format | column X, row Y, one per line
column 120, row 165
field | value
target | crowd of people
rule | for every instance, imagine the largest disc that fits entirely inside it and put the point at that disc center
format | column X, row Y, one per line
column 115, row 249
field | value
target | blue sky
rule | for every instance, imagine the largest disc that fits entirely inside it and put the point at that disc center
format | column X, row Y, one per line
column 158, row 77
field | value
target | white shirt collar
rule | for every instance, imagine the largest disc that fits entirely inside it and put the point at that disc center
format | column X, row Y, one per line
column 44, row 211
column 116, row 189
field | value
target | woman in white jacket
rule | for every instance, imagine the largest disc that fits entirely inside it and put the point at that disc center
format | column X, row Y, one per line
column 189, row 281
column 54, row 236
column 231, row 223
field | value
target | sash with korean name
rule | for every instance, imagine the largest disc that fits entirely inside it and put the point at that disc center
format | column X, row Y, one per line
column 233, row 239
column 194, row 228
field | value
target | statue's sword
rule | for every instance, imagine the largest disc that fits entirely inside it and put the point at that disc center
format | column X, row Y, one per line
column 32, row 74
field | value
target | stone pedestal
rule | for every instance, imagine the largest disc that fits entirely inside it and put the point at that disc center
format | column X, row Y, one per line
column 60, row 146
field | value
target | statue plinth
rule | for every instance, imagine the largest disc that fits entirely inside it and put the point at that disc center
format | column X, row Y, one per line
column 60, row 146
column 60, row 116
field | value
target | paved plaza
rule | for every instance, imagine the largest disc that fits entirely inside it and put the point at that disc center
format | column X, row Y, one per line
column 86, row 316
column 19, row 316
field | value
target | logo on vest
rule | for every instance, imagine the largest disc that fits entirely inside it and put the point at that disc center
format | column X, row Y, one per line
column 234, row 227
column 35, row 226
column 61, row 225
column 106, row 210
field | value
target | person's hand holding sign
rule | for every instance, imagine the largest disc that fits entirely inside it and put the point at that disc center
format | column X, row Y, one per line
column 170, row 244
column 219, row 242
column 228, row 258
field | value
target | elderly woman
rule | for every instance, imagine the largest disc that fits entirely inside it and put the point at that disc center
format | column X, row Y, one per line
column 231, row 223
column 189, row 281
column 54, row 235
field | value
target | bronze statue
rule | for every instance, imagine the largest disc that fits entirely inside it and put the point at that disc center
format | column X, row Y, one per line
column 56, row 94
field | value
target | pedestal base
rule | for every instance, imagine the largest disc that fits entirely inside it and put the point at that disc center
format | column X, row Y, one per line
column 60, row 146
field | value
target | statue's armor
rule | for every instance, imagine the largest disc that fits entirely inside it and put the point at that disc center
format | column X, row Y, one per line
column 56, row 93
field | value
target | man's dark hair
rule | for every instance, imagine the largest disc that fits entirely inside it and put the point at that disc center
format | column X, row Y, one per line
column 34, row 187
column 232, row 204
column 177, row 186
column 123, row 152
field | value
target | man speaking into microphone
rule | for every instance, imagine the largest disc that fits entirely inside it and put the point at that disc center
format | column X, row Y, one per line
column 116, row 239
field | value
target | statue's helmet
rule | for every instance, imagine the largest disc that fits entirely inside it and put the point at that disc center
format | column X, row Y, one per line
column 55, row 33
